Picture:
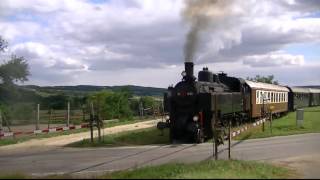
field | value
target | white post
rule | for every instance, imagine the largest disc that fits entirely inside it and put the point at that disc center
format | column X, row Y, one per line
column 0, row 121
column 38, row 117
column 68, row 115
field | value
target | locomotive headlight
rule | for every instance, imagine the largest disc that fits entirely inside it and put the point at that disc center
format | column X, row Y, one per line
column 195, row 118
column 183, row 74
column 167, row 117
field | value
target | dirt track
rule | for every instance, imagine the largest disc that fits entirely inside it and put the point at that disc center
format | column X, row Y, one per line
column 59, row 141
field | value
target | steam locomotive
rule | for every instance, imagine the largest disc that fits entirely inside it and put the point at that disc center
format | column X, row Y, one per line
column 199, row 110
column 195, row 106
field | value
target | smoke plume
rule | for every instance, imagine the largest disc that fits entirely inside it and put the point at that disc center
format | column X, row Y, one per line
column 201, row 14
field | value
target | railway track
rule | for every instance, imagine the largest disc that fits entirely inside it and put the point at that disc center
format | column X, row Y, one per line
column 135, row 154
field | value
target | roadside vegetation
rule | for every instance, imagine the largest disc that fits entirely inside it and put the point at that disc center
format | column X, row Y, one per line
column 287, row 125
column 20, row 139
column 206, row 170
column 280, row 127
column 137, row 137
column 233, row 169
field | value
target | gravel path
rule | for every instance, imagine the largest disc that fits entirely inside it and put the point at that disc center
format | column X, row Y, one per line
column 60, row 141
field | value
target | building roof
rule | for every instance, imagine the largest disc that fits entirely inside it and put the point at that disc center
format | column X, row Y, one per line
column 265, row 86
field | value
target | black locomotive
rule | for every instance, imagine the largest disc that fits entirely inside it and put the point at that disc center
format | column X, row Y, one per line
column 199, row 109
column 196, row 108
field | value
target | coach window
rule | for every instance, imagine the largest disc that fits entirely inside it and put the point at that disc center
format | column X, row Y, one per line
column 280, row 97
column 285, row 97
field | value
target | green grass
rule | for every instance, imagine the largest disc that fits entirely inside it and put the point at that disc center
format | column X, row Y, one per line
column 136, row 137
column 206, row 169
column 280, row 127
column 14, row 176
column 201, row 170
column 19, row 139
column 287, row 125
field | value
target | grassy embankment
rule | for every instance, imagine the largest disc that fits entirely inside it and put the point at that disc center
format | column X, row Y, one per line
column 137, row 137
column 280, row 127
column 19, row 139
column 287, row 125
column 203, row 170
column 207, row 169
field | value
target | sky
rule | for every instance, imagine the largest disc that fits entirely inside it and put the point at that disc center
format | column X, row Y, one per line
column 140, row 42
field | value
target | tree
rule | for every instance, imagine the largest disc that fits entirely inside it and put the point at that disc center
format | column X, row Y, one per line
column 269, row 79
column 111, row 105
column 14, row 70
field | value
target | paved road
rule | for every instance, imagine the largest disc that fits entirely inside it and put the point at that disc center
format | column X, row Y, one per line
column 298, row 151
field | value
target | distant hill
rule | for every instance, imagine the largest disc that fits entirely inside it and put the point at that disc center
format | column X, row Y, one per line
column 85, row 89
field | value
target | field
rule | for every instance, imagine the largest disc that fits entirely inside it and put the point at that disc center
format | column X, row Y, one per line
column 137, row 137
column 287, row 125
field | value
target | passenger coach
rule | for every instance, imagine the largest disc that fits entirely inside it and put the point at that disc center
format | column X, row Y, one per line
column 298, row 98
column 264, row 96
column 315, row 97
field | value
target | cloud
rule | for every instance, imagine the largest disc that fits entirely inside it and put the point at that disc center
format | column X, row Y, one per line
column 44, row 56
column 273, row 59
column 64, row 38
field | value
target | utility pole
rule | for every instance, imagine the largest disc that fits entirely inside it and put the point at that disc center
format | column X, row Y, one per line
column 38, row 117
column 263, row 113
column 99, row 124
column 50, row 116
column 91, row 122
column 68, row 114
column 215, row 134
column 229, row 140
column 1, row 122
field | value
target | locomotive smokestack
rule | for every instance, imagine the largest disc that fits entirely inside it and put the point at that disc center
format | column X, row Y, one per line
column 189, row 70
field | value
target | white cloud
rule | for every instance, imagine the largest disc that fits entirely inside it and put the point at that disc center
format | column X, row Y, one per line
column 273, row 59
column 64, row 37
